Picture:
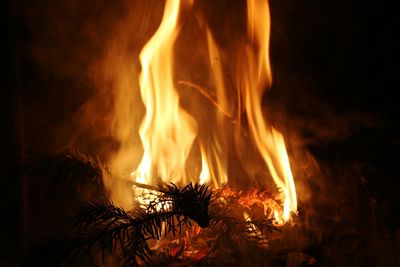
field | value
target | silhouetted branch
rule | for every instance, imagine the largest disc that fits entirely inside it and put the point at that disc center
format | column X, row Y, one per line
column 70, row 166
column 104, row 227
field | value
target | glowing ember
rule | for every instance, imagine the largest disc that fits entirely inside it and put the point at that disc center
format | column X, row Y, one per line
column 168, row 131
column 265, row 200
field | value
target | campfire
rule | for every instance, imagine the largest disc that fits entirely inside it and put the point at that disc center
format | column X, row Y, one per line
column 169, row 132
column 204, row 170
column 181, row 188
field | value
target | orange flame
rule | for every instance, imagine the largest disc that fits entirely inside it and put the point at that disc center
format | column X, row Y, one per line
column 168, row 131
column 254, row 76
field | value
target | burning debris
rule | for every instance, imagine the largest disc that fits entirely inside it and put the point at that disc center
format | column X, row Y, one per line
column 170, row 133
column 183, row 106
column 161, row 228
column 173, row 137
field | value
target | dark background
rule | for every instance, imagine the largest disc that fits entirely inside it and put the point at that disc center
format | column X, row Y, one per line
column 334, row 66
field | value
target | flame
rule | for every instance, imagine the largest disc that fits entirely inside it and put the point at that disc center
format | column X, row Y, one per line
column 167, row 131
column 212, row 161
column 213, row 168
column 205, row 175
column 254, row 76
column 216, row 68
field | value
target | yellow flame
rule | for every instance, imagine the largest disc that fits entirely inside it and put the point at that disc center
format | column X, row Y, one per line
column 254, row 76
column 259, row 27
column 167, row 131
column 214, row 151
column 251, row 226
column 246, row 216
column 213, row 168
column 205, row 175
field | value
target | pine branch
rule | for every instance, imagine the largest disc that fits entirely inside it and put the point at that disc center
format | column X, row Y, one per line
column 70, row 166
column 98, row 212
column 232, row 234
column 106, row 227
column 255, row 232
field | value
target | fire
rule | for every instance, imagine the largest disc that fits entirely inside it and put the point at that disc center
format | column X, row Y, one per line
column 205, row 175
column 168, row 132
column 254, row 198
column 254, row 76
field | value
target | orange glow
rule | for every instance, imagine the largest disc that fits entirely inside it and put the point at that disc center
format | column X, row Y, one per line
column 205, row 176
column 254, row 75
column 255, row 198
column 213, row 163
column 168, row 132
column 216, row 68
column 247, row 218
column 213, row 168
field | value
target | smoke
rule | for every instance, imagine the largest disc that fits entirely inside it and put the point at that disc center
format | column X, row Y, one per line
column 79, row 75
column 74, row 58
